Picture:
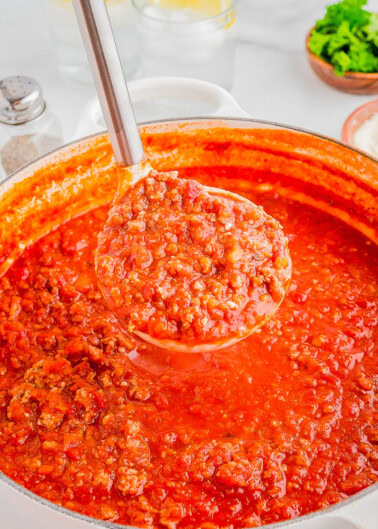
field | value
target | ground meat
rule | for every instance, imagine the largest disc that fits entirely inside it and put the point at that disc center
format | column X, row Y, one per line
column 181, row 264
column 278, row 425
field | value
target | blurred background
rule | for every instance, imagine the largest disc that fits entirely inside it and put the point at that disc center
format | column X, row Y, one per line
column 253, row 48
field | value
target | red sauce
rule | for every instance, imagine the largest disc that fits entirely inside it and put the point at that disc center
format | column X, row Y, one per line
column 276, row 426
column 179, row 263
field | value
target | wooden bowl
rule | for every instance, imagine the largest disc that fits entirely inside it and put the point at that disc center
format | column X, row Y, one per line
column 351, row 82
column 356, row 119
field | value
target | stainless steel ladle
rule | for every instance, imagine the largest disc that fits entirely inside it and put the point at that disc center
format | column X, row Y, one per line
column 111, row 86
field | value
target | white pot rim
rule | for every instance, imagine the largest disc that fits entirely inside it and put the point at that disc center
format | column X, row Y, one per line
column 232, row 122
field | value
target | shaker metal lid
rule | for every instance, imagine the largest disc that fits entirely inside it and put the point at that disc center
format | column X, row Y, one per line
column 21, row 100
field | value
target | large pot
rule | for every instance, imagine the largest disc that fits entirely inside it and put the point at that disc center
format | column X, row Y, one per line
column 327, row 167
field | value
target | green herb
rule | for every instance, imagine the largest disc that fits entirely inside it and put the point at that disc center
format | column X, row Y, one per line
column 347, row 37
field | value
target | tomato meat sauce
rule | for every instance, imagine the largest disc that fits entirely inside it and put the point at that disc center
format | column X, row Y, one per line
column 271, row 428
column 179, row 263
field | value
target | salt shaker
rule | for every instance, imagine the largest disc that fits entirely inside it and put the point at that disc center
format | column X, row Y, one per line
column 27, row 129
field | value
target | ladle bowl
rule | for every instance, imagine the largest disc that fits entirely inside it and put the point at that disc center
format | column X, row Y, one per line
column 133, row 163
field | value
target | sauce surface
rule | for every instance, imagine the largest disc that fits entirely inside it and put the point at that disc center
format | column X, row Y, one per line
column 181, row 264
column 274, row 427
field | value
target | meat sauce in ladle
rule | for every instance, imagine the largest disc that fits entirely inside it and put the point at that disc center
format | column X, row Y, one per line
column 184, row 266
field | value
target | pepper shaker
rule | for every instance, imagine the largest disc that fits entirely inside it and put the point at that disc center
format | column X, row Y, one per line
column 27, row 129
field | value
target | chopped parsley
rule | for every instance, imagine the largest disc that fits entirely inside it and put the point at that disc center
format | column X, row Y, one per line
column 347, row 37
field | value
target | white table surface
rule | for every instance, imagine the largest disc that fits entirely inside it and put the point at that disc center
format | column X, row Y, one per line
column 269, row 83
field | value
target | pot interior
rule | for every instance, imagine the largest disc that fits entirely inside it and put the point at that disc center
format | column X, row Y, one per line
column 299, row 166
column 307, row 168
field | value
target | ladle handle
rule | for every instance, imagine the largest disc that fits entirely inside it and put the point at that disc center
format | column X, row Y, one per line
column 105, row 64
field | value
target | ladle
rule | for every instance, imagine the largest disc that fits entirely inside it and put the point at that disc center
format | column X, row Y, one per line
column 104, row 61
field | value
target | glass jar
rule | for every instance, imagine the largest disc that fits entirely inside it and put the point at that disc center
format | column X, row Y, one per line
column 187, row 39
column 72, row 60
column 27, row 129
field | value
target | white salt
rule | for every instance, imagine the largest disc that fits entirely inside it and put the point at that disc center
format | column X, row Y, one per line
column 366, row 136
